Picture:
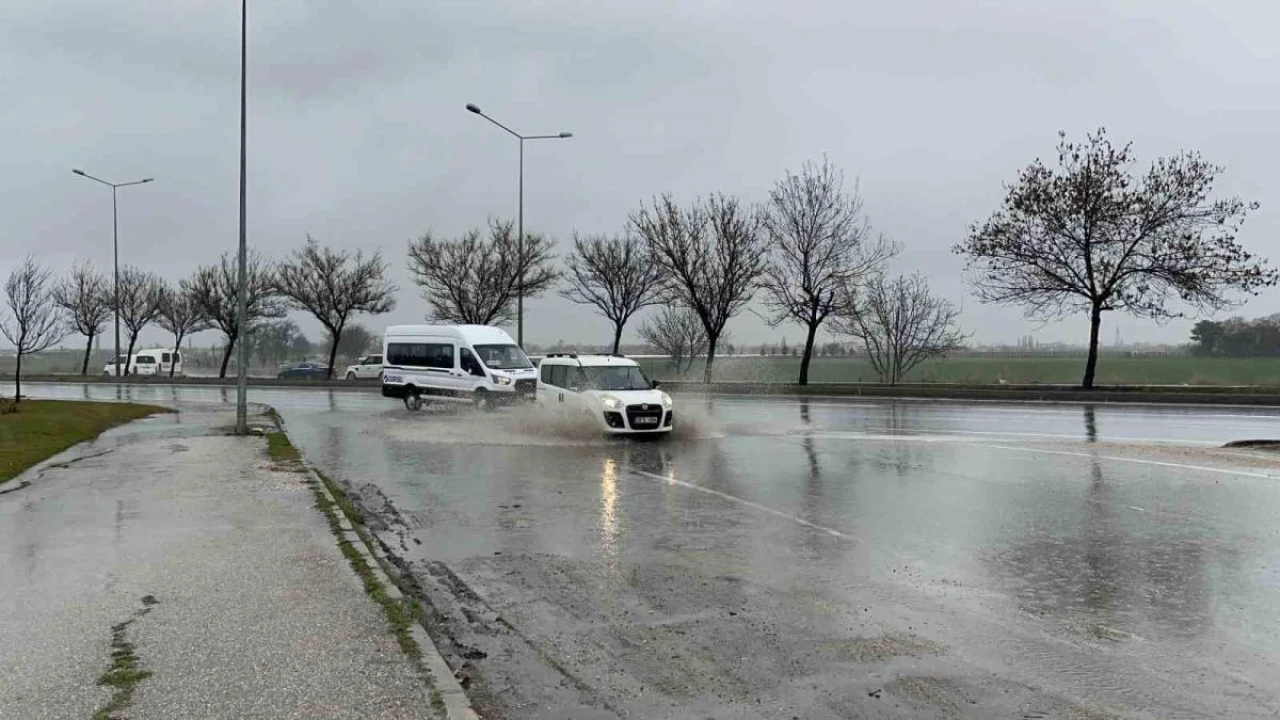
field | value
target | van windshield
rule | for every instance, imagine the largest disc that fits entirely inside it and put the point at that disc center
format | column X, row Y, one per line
column 615, row 377
column 502, row 357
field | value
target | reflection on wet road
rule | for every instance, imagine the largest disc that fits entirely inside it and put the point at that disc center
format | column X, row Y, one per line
column 782, row 558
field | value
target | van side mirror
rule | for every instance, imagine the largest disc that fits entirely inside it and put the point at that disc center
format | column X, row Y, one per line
column 655, row 384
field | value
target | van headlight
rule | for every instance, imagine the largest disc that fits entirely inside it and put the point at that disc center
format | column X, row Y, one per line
column 666, row 401
column 500, row 380
column 610, row 402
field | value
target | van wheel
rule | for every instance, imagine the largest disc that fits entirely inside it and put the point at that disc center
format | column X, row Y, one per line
column 351, row 375
column 480, row 398
column 413, row 401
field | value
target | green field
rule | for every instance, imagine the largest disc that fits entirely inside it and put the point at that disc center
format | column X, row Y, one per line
column 40, row 429
column 986, row 370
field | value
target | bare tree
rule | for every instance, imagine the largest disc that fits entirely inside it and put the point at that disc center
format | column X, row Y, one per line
column 474, row 280
column 33, row 322
column 215, row 291
column 819, row 243
column 1091, row 237
column 616, row 275
column 332, row 285
column 712, row 255
column 86, row 298
column 137, row 299
column 678, row 333
column 901, row 324
column 181, row 315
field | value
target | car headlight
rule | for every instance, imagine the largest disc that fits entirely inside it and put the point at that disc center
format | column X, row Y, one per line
column 666, row 401
column 610, row 402
column 500, row 380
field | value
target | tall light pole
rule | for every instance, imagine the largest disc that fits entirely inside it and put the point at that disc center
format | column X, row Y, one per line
column 242, row 298
column 115, row 253
column 520, row 215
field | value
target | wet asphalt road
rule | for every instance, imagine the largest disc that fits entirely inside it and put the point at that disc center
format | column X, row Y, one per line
column 788, row 558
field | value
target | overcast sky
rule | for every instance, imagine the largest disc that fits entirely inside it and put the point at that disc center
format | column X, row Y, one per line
column 358, row 134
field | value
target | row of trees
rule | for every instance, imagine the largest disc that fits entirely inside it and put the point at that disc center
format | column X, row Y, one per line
column 807, row 253
column 1091, row 235
column 1237, row 337
column 331, row 285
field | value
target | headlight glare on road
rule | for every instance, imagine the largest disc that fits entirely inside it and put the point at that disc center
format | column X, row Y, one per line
column 666, row 401
column 610, row 402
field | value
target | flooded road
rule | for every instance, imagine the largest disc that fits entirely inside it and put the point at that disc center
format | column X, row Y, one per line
column 815, row 559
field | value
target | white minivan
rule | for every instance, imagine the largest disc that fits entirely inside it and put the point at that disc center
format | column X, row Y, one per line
column 458, row 363
column 147, row 362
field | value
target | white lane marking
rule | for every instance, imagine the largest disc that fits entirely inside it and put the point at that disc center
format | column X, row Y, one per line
column 1107, row 438
column 1139, row 461
column 748, row 503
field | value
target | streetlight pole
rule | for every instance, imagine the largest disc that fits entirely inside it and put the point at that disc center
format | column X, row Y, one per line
column 520, row 259
column 242, row 299
column 115, row 258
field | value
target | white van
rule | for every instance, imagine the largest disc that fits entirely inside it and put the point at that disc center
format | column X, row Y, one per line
column 612, row 389
column 458, row 363
column 147, row 362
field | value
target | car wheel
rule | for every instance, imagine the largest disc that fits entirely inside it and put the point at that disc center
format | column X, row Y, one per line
column 412, row 401
column 351, row 374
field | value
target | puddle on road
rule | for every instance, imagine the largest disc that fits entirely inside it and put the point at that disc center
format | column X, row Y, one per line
column 528, row 426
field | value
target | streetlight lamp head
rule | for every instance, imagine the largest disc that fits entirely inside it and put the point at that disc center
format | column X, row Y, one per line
column 77, row 171
column 566, row 134
column 473, row 108
column 147, row 180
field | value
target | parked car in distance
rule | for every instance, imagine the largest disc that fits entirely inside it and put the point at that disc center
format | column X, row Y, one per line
column 304, row 371
column 366, row 367
column 146, row 362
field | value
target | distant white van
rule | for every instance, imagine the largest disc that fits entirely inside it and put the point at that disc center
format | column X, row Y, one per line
column 456, row 363
column 147, row 362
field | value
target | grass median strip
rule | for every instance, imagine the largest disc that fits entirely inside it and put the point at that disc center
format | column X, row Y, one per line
column 40, row 429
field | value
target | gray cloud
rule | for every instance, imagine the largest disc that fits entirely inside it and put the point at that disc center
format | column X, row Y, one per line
column 357, row 133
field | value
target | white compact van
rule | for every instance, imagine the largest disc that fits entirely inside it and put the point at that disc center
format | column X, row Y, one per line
column 611, row 389
column 147, row 362
column 457, row 363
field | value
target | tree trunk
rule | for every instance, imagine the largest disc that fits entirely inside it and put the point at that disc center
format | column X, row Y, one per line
column 711, row 359
column 133, row 340
column 808, row 354
column 173, row 359
column 226, row 358
column 333, row 353
column 88, row 348
column 1091, row 365
column 17, row 379
column 617, row 337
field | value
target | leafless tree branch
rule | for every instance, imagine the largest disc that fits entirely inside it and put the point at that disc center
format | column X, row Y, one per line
column 181, row 314
column 333, row 285
column 819, row 244
column 33, row 322
column 616, row 275
column 215, row 291
column 901, row 324
column 474, row 280
column 1091, row 236
column 712, row 255
column 676, row 332
column 85, row 296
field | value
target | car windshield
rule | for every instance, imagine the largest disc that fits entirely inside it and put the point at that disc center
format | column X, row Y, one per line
column 615, row 377
column 502, row 357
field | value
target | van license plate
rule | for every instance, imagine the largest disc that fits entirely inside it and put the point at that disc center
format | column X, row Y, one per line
column 646, row 421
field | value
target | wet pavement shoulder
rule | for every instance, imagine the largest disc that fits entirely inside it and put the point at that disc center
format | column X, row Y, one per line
column 171, row 571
